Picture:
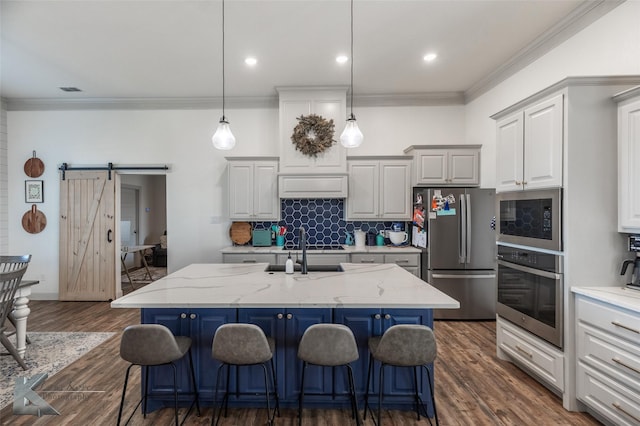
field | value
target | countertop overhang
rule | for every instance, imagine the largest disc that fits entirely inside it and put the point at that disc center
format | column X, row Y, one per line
column 249, row 286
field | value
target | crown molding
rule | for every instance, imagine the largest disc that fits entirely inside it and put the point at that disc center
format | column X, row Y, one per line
column 581, row 17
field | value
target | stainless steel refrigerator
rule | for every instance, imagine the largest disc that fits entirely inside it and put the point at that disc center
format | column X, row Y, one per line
column 460, row 257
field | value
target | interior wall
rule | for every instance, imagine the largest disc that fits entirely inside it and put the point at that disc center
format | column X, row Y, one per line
column 152, row 209
column 4, row 184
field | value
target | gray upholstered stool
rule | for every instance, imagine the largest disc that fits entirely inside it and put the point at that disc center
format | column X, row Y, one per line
column 329, row 345
column 151, row 345
column 406, row 345
column 242, row 344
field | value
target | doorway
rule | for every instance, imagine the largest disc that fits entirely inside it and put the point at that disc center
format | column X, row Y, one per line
column 129, row 206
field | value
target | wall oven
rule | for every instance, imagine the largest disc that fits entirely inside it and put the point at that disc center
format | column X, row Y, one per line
column 530, row 218
column 530, row 291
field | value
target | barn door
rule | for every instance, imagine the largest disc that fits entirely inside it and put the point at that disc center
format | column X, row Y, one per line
column 88, row 236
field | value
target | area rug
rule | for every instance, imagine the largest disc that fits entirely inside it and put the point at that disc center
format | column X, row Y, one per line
column 47, row 353
column 140, row 276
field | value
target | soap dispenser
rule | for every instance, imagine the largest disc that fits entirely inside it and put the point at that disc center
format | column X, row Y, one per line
column 288, row 266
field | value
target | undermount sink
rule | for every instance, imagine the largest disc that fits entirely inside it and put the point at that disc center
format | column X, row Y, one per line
column 310, row 268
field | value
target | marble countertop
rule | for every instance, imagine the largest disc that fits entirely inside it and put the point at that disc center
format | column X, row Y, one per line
column 619, row 296
column 347, row 250
column 249, row 286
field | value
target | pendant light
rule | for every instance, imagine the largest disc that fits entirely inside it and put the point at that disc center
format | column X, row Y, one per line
column 351, row 136
column 223, row 138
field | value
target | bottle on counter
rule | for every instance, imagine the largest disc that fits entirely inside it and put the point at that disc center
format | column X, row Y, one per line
column 288, row 266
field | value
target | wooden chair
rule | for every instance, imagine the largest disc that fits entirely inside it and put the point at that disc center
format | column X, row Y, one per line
column 8, row 285
column 11, row 263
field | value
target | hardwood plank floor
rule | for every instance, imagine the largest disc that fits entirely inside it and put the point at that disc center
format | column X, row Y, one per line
column 473, row 387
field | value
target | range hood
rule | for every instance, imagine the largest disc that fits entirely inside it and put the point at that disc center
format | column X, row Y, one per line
column 302, row 176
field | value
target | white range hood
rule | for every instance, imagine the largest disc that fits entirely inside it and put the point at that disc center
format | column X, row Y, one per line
column 301, row 176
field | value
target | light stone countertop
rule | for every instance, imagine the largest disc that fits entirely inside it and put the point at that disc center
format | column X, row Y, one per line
column 249, row 286
column 619, row 296
column 347, row 250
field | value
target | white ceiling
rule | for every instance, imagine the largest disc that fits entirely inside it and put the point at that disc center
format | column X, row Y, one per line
column 155, row 49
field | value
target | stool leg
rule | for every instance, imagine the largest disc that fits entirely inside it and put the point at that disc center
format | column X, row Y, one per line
column 304, row 367
column 415, row 392
column 226, row 395
column 433, row 397
column 275, row 386
column 193, row 381
column 380, row 392
column 175, row 392
column 146, row 391
column 124, row 390
column 354, row 400
column 266, row 394
column 366, row 389
column 214, row 421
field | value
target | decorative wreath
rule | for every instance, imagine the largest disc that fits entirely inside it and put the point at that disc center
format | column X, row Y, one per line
column 313, row 134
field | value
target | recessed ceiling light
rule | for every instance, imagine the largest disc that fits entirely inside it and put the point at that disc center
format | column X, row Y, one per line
column 70, row 89
column 250, row 61
column 429, row 57
column 341, row 59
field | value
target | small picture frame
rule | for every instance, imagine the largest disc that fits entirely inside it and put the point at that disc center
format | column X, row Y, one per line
column 34, row 191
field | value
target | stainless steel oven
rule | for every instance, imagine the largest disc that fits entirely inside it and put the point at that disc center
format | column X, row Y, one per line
column 530, row 291
column 530, row 218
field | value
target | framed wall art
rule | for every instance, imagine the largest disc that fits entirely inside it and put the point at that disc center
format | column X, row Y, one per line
column 33, row 191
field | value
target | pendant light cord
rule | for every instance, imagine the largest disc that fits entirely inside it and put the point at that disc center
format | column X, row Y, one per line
column 351, row 59
column 223, row 102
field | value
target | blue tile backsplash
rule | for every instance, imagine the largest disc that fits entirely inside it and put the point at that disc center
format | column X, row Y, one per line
column 323, row 219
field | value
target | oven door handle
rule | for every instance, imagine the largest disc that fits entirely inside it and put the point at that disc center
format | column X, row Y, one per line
column 529, row 270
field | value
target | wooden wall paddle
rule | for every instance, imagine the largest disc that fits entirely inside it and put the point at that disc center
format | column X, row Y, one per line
column 34, row 167
column 34, row 221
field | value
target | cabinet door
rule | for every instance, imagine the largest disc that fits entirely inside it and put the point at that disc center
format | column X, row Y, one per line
column 509, row 153
column 432, row 166
column 543, row 126
column 266, row 204
column 240, row 189
column 364, row 189
column 464, row 165
column 395, row 190
column 248, row 258
column 364, row 323
column 628, row 161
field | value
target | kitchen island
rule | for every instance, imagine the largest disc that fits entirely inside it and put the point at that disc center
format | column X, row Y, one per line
column 197, row 299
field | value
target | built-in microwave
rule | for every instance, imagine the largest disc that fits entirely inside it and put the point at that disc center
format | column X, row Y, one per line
column 530, row 218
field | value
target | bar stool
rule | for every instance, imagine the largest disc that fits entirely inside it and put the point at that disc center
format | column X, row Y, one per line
column 150, row 345
column 405, row 345
column 242, row 344
column 329, row 345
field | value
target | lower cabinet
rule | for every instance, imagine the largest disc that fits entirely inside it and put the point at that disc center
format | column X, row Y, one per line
column 324, row 386
column 408, row 261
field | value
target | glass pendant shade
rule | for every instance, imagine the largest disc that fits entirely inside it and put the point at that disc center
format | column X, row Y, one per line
column 223, row 138
column 351, row 136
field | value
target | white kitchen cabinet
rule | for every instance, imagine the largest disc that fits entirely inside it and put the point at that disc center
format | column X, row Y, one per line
column 629, row 161
column 608, row 360
column 445, row 164
column 379, row 188
column 248, row 258
column 529, row 147
column 253, row 189
column 315, row 258
column 408, row 261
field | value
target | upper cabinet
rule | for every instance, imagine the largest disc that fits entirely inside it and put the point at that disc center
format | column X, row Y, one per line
column 379, row 188
column 529, row 147
column 629, row 161
column 253, row 189
column 445, row 165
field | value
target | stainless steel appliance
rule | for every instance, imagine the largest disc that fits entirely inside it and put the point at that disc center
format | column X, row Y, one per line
column 530, row 218
column 461, row 248
column 530, row 291
column 634, row 246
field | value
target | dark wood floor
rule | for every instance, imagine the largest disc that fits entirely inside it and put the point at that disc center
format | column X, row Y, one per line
column 473, row 387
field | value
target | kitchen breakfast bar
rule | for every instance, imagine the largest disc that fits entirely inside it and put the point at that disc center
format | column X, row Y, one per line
column 196, row 300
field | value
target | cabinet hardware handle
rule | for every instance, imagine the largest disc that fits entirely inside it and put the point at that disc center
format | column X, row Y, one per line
column 518, row 183
column 387, row 316
column 280, row 316
column 367, row 261
column 524, row 182
column 248, row 261
column 622, row 410
column 192, row 316
column 529, row 354
column 619, row 362
column 377, row 316
column 289, row 316
column 617, row 324
column 183, row 315
column 402, row 261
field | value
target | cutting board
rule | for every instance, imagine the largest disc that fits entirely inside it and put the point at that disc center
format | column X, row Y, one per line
column 34, row 167
column 34, row 221
column 240, row 232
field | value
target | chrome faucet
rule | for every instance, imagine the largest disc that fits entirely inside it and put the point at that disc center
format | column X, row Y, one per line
column 303, row 247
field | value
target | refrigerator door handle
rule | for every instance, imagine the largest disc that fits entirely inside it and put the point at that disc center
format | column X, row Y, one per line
column 453, row 276
column 462, row 224
column 468, row 223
